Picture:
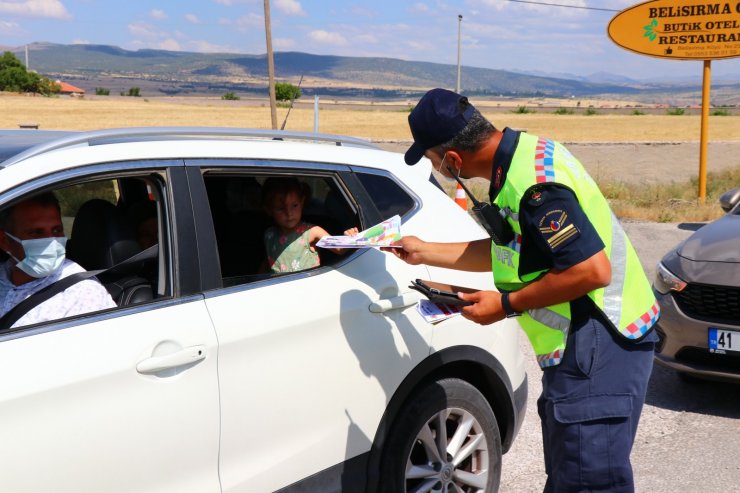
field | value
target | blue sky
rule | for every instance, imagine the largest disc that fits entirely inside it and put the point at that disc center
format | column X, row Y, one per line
column 496, row 34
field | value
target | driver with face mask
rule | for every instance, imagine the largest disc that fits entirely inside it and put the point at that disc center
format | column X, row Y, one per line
column 32, row 234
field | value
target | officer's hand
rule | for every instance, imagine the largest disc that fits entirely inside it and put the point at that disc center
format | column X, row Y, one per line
column 486, row 309
column 408, row 249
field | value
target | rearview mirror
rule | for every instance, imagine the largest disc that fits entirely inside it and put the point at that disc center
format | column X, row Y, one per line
column 728, row 200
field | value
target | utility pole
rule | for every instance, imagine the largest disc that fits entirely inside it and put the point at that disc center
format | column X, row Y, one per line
column 27, row 67
column 270, row 67
column 459, row 28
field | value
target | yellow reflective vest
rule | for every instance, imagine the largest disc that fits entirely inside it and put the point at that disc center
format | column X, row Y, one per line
column 628, row 302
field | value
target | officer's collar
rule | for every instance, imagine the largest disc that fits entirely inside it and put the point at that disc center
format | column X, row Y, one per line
column 502, row 160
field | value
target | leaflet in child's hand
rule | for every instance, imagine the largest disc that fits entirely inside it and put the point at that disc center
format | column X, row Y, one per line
column 380, row 235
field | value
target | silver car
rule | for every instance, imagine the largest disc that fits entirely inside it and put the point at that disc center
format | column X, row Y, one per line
column 698, row 288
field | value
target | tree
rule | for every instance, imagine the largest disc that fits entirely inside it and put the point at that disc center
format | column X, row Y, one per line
column 230, row 96
column 15, row 77
column 286, row 92
column 9, row 60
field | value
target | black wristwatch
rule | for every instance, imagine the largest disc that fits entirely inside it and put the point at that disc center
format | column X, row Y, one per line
column 506, row 304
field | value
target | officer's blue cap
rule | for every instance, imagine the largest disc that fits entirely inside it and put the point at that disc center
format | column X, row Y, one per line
column 438, row 116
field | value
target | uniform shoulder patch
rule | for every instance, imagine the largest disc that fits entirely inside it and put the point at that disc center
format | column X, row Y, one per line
column 536, row 197
column 557, row 228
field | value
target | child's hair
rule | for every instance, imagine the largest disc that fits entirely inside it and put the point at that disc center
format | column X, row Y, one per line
column 281, row 186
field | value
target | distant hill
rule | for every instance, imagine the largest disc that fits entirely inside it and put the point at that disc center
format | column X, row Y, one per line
column 173, row 72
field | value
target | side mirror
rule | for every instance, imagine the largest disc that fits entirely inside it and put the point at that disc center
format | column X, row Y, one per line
column 730, row 199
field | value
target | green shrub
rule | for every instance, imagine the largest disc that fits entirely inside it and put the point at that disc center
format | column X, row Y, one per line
column 102, row 91
column 676, row 111
column 563, row 111
column 522, row 110
column 134, row 92
column 638, row 112
column 230, row 96
column 590, row 111
column 720, row 112
column 286, row 92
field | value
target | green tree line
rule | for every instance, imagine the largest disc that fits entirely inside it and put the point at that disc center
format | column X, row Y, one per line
column 15, row 78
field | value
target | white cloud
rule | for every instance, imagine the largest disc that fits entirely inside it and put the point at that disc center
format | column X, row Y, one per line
column 366, row 39
column 169, row 44
column 555, row 11
column 229, row 3
column 425, row 46
column 496, row 4
column 283, row 43
column 148, row 36
column 206, row 47
column 192, row 18
column 143, row 30
column 326, row 37
column 290, row 7
column 10, row 28
column 158, row 14
column 419, row 8
column 35, row 8
column 245, row 22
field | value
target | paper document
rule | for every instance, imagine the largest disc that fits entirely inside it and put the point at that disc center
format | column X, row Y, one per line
column 380, row 235
column 436, row 312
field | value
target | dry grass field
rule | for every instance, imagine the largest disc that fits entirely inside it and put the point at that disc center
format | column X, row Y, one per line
column 94, row 113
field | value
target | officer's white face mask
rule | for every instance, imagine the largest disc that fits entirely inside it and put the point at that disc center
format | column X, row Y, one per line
column 44, row 256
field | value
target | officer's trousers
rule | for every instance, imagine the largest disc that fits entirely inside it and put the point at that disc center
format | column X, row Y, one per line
column 590, row 407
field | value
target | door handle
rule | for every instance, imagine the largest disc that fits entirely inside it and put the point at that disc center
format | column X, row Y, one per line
column 185, row 356
column 403, row 300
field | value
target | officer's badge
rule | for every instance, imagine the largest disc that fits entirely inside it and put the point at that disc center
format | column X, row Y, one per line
column 536, row 197
column 556, row 230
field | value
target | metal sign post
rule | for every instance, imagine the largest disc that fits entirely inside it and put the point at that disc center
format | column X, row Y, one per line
column 683, row 30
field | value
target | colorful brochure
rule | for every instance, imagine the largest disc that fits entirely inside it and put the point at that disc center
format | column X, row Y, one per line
column 380, row 235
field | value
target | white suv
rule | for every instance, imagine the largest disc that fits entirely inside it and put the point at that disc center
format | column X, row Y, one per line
column 213, row 376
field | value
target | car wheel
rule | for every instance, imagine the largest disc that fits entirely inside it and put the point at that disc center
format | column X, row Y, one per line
column 445, row 439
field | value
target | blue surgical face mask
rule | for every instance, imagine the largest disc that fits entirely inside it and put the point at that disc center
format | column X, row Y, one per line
column 44, row 256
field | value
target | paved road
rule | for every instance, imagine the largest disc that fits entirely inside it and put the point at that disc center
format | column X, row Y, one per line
column 689, row 434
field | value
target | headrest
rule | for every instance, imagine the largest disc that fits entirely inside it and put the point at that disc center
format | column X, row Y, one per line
column 101, row 236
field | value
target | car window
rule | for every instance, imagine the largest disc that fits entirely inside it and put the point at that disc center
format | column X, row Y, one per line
column 72, row 197
column 252, row 244
column 388, row 196
column 102, row 229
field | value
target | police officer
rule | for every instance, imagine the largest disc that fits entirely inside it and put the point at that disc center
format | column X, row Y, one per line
column 568, row 273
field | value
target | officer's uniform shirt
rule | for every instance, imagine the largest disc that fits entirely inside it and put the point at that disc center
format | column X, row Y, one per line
column 556, row 233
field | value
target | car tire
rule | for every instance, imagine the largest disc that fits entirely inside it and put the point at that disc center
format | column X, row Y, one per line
column 466, row 457
column 689, row 378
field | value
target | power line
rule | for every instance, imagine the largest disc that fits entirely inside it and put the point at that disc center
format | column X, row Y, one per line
column 563, row 5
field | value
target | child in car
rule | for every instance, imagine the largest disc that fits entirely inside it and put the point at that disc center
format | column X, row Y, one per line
column 290, row 244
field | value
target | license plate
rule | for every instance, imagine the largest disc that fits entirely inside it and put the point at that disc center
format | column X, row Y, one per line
column 721, row 340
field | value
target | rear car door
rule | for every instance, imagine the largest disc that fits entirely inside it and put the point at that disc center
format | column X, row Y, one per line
column 308, row 360
column 124, row 399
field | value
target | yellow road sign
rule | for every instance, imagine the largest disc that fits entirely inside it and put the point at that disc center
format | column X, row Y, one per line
column 680, row 29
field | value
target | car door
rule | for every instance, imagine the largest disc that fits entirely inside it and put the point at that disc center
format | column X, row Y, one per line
column 309, row 360
column 120, row 400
